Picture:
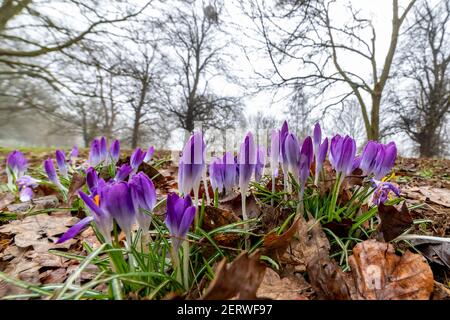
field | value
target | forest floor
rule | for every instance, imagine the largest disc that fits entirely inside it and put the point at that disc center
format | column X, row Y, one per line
column 29, row 231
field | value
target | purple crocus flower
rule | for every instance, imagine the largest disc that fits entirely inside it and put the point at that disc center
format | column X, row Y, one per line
column 73, row 153
column 179, row 216
column 283, row 134
column 292, row 153
column 216, row 174
column 16, row 166
column 144, row 197
column 342, row 154
column 386, row 160
column 275, row 152
column 369, row 157
column 26, row 185
column 260, row 163
column 247, row 161
column 61, row 162
column 49, row 168
column 382, row 190
column 136, row 158
column 27, row 181
column 114, row 151
column 230, row 171
column 149, row 154
column 92, row 180
column 94, row 153
column 116, row 199
column 123, row 172
column 26, row 194
column 305, row 161
column 102, row 219
column 317, row 138
column 103, row 149
column 192, row 163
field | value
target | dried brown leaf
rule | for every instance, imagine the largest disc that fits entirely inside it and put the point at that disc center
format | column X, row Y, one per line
column 380, row 274
column 276, row 288
column 239, row 279
column 393, row 222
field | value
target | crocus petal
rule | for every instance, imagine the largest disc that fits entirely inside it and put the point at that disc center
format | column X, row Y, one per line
column 247, row 160
column 229, row 171
column 61, row 162
column 317, row 138
column 149, row 154
column 216, row 174
column 306, row 157
column 26, row 194
column 143, row 191
column 388, row 161
column 103, row 149
column 74, row 153
column 292, row 153
column 118, row 202
column 323, row 150
column 123, row 172
column 91, row 179
column 75, row 229
column 283, row 134
column 114, row 151
column 136, row 158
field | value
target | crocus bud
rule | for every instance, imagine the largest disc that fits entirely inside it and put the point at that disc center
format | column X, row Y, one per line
column 275, row 152
column 73, row 153
column 369, row 157
column 322, row 154
column 149, row 154
column 103, row 149
column 114, row 151
column 179, row 216
column 51, row 172
column 16, row 164
column 136, row 158
column 317, row 138
column 216, row 174
column 61, row 162
column 342, row 154
column 123, row 172
column 292, row 153
column 192, row 163
column 144, row 197
column 260, row 163
column 91, row 180
column 247, row 161
column 230, row 171
column 94, row 153
column 306, row 158
column 283, row 134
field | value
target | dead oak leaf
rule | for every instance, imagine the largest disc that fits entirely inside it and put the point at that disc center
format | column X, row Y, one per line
column 380, row 274
column 239, row 279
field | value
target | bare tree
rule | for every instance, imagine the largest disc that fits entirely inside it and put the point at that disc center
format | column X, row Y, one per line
column 424, row 105
column 314, row 41
column 193, row 34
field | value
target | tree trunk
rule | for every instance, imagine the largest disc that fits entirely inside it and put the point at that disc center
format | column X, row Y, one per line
column 374, row 132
